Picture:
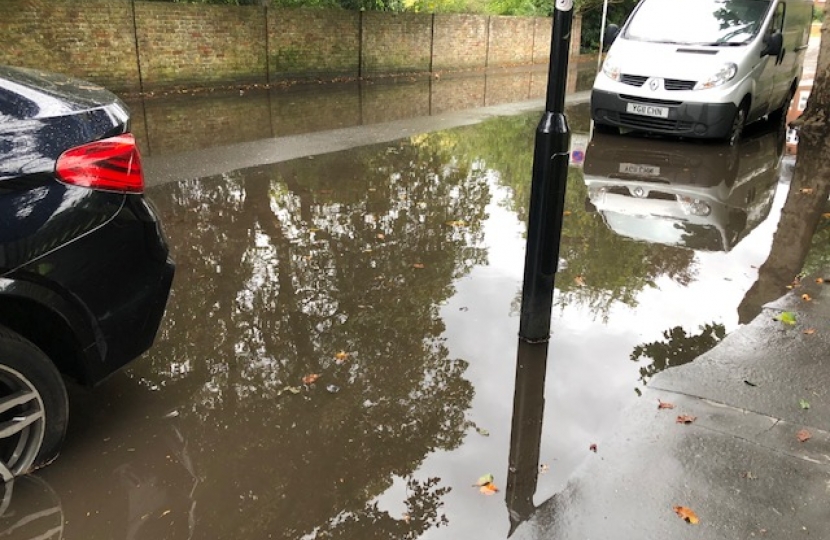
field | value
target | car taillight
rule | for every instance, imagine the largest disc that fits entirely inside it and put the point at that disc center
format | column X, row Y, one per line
column 110, row 165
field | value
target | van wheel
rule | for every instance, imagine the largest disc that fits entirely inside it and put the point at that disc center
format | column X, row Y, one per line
column 738, row 123
column 34, row 407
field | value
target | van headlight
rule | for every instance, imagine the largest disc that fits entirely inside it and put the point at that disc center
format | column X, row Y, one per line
column 611, row 68
column 725, row 74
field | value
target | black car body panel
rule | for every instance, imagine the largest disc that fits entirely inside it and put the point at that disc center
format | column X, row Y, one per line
column 84, row 273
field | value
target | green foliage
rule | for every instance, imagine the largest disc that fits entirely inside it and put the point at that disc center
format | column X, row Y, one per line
column 818, row 14
column 591, row 10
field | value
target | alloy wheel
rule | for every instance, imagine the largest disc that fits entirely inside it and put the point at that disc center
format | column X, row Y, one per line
column 22, row 423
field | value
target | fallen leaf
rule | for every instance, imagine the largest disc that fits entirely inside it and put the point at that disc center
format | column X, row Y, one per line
column 291, row 390
column 406, row 517
column 418, row 266
column 566, row 213
column 748, row 383
column 804, row 435
column 311, row 378
column 543, row 468
column 456, row 223
column 664, row 405
column 749, row 476
column 687, row 514
column 806, row 297
column 593, row 448
column 579, row 280
column 806, row 191
column 786, row 317
column 484, row 480
column 810, row 331
column 488, row 489
column 483, row 432
column 819, row 280
column 340, row 357
column 686, row 419
column 826, row 215
column 803, row 403
column 381, row 236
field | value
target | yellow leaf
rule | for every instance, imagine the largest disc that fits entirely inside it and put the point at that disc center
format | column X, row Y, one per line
column 418, row 266
column 806, row 297
column 687, row 514
column 806, row 191
column 341, row 356
column 381, row 236
column 810, row 331
column 819, row 280
column 579, row 280
column 566, row 213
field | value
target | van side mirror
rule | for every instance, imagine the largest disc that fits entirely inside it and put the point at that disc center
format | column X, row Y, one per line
column 773, row 45
column 611, row 33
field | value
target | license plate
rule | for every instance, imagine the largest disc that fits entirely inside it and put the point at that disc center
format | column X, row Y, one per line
column 639, row 170
column 647, row 110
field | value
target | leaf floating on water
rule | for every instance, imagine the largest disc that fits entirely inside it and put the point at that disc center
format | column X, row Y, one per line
column 806, row 191
column 290, row 389
column 311, row 378
column 340, row 357
column 687, row 514
column 804, row 404
column 484, row 480
column 664, row 404
column 579, row 280
column 457, row 223
column 806, row 297
column 786, row 317
column 332, row 389
column 419, row 266
column 686, row 419
column 819, row 280
column 804, row 435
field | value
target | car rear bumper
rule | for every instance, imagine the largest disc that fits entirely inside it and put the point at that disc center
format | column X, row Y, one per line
column 686, row 119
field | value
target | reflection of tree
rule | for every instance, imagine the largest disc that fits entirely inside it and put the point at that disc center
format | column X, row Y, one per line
column 615, row 269
column 678, row 348
column 281, row 267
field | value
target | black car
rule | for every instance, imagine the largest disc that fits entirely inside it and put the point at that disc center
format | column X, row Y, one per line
column 84, row 266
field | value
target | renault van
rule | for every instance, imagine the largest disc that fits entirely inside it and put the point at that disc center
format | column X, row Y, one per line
column 701, row 68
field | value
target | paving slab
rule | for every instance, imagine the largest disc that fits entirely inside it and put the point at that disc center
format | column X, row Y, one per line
column 745, row 475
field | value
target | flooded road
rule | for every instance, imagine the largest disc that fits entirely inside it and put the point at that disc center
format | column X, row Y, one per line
column 338, row 356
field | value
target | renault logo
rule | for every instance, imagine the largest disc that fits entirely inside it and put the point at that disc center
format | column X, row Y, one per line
column 654, row 84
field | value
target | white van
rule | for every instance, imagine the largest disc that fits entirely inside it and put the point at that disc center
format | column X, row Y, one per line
column 701, row 68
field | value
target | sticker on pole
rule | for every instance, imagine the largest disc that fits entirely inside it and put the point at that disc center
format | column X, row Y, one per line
column 564, row 5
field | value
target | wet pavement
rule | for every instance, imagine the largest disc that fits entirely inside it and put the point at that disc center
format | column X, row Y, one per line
column 338, row 358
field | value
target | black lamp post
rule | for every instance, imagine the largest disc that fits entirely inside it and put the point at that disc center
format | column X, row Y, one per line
column 547, row 193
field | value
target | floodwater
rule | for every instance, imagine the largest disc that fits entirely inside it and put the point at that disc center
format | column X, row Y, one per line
column 338, row 357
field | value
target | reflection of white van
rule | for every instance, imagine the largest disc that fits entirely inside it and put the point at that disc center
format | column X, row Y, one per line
column 702, row 196
column 702, row 68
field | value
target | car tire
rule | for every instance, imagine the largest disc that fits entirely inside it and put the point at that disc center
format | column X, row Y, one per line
column 33, row 393
column 738, row 123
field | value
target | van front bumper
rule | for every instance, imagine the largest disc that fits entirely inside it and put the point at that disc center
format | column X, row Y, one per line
column 686, row 119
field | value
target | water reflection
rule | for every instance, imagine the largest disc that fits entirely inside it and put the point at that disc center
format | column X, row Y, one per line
column 699, row 196
column 179, row 123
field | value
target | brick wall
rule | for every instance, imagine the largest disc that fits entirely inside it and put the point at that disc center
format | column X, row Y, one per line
column 396, row 42
column 182, row 45
column 198, row 44
column 93, row 39
column 304, row 43
column 511, row 41
column 459, row 42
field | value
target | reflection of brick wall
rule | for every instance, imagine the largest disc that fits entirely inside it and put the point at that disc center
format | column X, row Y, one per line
column 508, row 87
column 214, row 45
column 388, row 102
column 457, row 93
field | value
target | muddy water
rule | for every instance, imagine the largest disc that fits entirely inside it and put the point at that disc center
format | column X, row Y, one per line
column 339, row 353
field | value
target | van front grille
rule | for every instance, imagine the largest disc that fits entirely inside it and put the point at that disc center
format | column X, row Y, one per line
column 633, row 80
column 677, row 84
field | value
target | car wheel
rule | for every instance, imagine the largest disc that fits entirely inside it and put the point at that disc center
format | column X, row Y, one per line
column 738, row 123
column 34, row 408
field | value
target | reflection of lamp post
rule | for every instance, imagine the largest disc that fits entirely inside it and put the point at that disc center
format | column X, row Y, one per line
column 547, row 191
column 526, row 431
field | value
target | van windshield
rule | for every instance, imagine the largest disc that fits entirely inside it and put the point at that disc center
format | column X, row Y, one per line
column 698, row 22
